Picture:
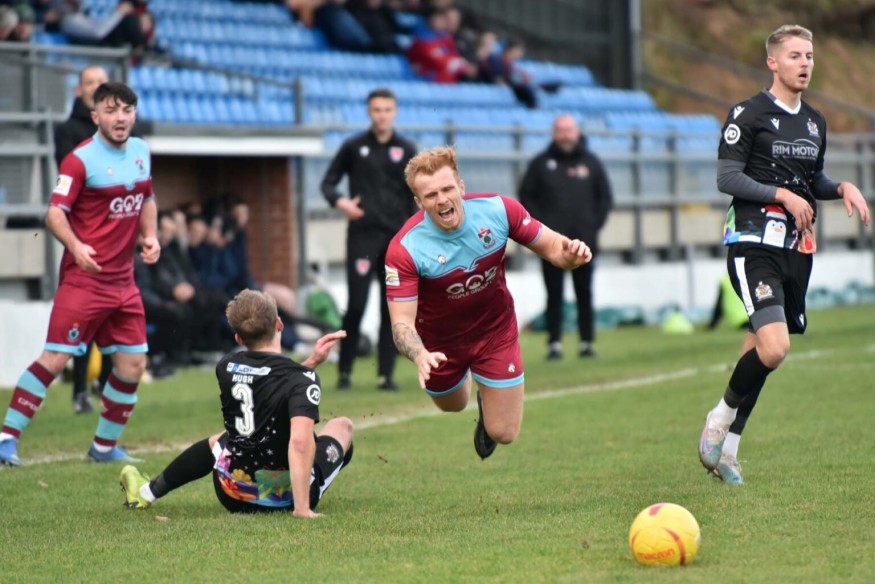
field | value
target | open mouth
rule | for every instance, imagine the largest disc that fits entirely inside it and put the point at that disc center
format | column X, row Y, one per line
column 447, row 214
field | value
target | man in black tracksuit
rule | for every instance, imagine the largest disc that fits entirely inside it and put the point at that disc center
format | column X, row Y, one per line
column 566, row 187
column 379, row 203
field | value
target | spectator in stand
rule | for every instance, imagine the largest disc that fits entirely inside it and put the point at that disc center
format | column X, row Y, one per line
column 466, row 32
column 23, row 30
column 502, row 68
column 120, row 28
column 8, row 22
column 378, row 21
column 235, row 266
column 205, row 251
column 434, row 55
column 163, row 316
column 334, row 21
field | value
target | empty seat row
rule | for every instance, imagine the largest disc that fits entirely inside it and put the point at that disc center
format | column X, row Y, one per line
column 215, row 110
column 281, row 61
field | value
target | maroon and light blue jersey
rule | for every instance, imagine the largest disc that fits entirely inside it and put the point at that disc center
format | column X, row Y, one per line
column 103, row 189
column 457, row 277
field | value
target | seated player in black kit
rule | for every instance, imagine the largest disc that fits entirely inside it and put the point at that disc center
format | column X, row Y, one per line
column 269, row 456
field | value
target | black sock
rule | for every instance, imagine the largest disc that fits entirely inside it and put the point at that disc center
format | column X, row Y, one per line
column 744, row 411
column 749, row 377
column 194, row 463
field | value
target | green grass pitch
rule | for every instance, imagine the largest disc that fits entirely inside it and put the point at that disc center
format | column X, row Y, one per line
column 601, row 440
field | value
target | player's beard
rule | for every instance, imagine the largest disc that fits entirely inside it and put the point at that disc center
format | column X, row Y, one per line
column 108, row 135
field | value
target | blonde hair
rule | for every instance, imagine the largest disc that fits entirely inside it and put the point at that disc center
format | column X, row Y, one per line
column 252, row 315
column 784, row 32
column 429, row 162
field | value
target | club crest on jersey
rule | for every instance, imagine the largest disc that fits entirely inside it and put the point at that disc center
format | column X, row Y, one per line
column 364, row 151
column 486, row 237
column 396, row 153
column 812, row 128
column 511, row 368
column 73, row 333
column 140, row 165
column 363, row 266
column 579, row 171
column 442, row 259
column 763, row 292
column 551, row 164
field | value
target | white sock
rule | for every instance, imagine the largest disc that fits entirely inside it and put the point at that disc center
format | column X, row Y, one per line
column 146, row 493
column 556, row 346
column 723, row 414
column 730, row 445
column 6, row 436
column 101, row 447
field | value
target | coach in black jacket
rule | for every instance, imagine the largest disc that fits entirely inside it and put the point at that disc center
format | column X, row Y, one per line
column 566, row 187
column 379, row 203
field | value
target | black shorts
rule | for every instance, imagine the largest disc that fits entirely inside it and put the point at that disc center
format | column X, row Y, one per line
column 772, row 283
column 330, row 459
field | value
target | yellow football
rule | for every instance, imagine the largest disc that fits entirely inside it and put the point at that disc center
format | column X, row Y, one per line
column 664, row 534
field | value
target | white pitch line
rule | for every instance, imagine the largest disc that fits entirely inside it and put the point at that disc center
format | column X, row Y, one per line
column 381, row 421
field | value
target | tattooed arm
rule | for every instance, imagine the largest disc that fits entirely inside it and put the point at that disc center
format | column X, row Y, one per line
column 408, row 341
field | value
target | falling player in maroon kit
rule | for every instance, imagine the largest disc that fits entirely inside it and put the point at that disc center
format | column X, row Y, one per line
column 452, row 313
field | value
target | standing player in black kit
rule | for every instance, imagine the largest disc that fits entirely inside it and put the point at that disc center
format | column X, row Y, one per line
column 771, row 162
column 379, row 203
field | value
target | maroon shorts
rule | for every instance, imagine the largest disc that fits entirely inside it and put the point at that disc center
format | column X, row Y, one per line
column 495, row 361
column 112, row 317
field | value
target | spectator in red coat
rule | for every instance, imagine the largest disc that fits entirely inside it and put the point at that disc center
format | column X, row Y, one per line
column 434, row 55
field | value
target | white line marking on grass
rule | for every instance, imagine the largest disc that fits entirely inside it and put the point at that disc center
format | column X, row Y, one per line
column 381, row 421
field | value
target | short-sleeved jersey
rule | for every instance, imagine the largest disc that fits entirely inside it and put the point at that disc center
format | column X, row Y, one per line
column 261, row 392
column 780, row 147
column 103, row 189
column 457, row 277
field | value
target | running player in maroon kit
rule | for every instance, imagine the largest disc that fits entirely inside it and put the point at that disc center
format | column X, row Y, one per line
column 451, row 310
column 101, row 204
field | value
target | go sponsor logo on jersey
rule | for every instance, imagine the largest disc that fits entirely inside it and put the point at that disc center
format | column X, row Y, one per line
column 472, row 284
column 127, row 206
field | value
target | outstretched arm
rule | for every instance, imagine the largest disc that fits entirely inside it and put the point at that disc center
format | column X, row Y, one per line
column 560, row 251
column 408, row 341
column 322, row 349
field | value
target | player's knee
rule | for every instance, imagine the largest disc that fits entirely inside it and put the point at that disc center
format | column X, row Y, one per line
column 132, row 367
column 344, row 423
column 772, row 354
column 503, row 433
column 451, row 406
column 54, row 361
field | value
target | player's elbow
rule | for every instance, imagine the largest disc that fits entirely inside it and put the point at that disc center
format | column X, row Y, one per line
column 301, row 445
